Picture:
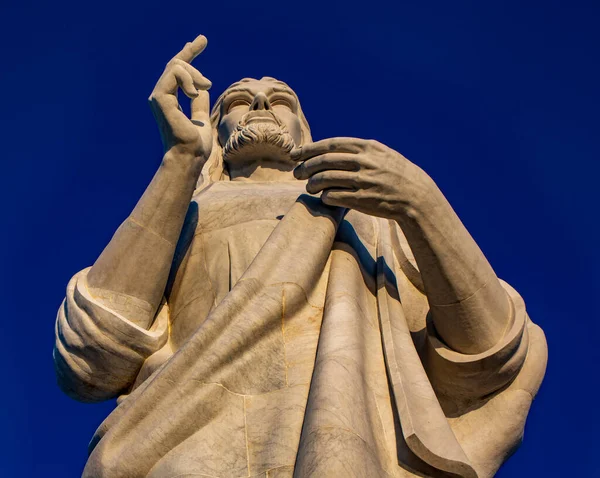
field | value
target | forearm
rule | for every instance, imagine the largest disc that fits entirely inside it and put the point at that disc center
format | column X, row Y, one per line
column 137, row 260
column 469, row 306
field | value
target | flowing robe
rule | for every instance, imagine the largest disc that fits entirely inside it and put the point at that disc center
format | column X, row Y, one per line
column 294, row 340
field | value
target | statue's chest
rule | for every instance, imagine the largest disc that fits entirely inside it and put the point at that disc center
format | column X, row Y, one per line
column 227, row 204
column 232, row 223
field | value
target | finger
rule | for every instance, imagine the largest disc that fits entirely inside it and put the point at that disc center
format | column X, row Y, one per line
column 200, row 109
column 174, row 77
column 310, row 150
column 192, row 49
column 200, row 81
column 338, row 197
column 185, row 81
column 331, row 179
column 341, row 161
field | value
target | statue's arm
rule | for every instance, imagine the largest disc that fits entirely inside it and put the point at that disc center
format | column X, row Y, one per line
column 114, row 316
column 136, row 262
column 469, row 306
column 108, row 324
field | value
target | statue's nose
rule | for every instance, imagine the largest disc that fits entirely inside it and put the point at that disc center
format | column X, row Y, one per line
column 260, row 102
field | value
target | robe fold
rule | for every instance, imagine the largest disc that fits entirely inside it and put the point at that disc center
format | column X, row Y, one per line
column 294, row 340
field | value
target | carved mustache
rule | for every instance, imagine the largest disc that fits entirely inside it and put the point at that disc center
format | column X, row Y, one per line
column 263, row 115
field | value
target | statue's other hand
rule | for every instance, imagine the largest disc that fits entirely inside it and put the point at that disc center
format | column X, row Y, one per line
column 189, row 137
column 364, row 175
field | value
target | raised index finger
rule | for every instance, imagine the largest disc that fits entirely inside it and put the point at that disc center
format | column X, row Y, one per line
column 192, row 49
column 331, row 145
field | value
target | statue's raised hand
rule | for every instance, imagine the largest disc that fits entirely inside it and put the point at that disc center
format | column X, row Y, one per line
column 183, row 136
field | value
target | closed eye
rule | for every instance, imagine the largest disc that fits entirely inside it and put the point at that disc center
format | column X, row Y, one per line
column 282, row 102
column 237, row 103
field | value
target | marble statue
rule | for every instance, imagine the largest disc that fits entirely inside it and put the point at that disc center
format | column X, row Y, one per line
column 278, row 307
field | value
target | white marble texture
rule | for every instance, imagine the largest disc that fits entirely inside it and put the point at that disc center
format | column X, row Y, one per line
column 338, row 320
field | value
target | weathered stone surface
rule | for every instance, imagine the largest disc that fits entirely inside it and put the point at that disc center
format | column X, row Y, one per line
column 278, row 307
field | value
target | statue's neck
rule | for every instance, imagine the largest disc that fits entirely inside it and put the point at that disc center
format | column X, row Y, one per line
column 262, row 170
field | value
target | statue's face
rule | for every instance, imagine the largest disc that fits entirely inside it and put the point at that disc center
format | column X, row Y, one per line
column 259, row 117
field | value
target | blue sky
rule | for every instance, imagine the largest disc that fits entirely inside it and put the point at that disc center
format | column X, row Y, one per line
column 497, row 101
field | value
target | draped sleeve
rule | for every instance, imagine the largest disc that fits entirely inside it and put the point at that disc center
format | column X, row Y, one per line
column 98, row 352
column 485, row 397
column 472, row 376
column 467, row 378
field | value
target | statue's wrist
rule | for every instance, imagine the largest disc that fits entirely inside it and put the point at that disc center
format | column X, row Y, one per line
column 421, row 195
column 183, row 158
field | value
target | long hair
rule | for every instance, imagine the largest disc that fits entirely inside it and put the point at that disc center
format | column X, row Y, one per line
column 215, row 168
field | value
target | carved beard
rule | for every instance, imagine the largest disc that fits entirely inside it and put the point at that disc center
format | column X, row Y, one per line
column 260, row 139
